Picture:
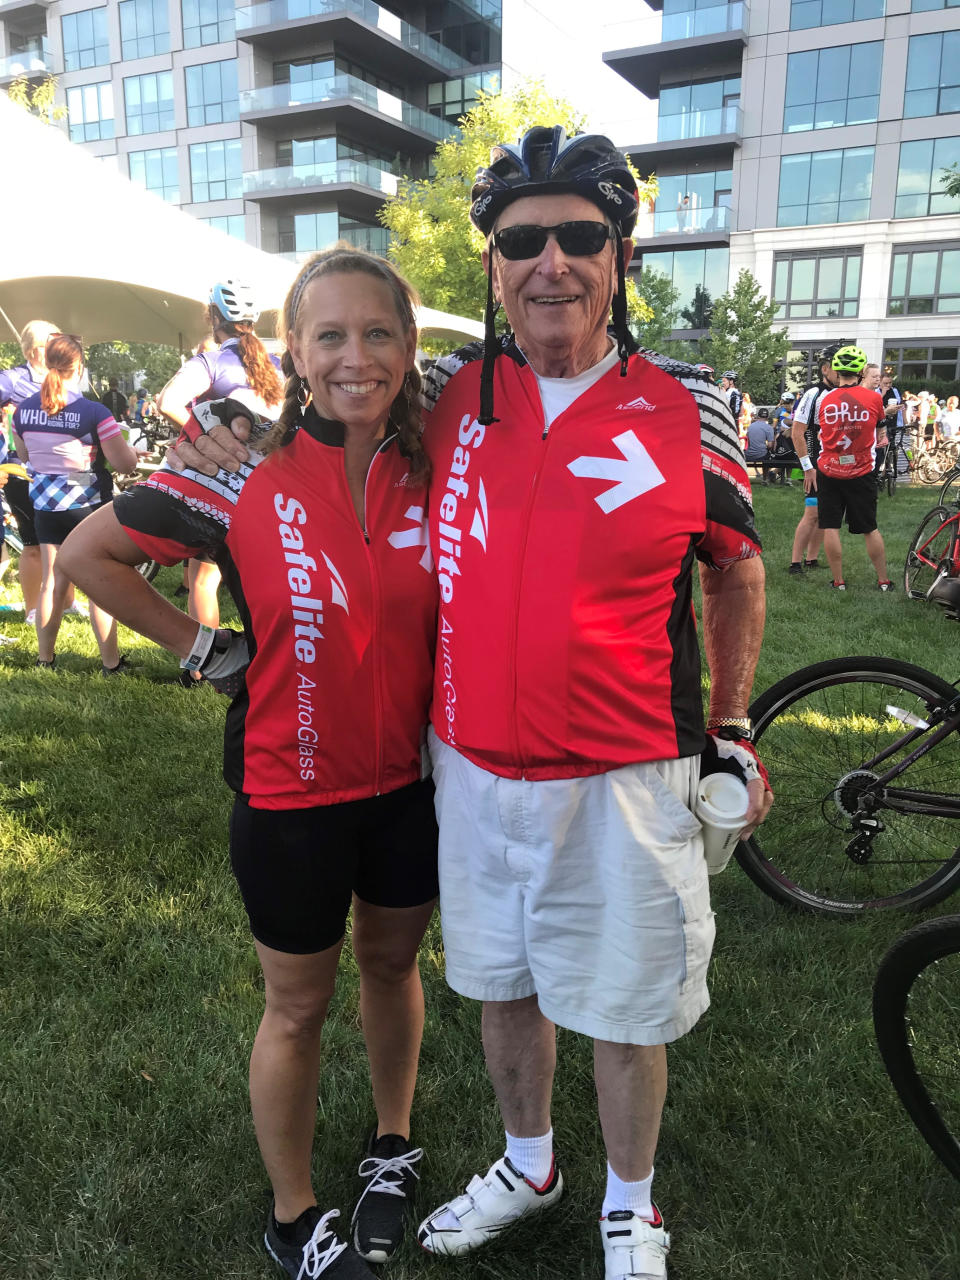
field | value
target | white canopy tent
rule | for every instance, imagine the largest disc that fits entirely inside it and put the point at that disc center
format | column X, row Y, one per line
column 96, row 254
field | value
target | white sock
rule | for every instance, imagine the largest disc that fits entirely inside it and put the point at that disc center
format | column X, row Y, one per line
column 532, row 1156
column 628, row 1195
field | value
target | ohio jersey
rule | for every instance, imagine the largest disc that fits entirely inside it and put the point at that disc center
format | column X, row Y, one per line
column 340, row 618
column 64, row 450
column 567, row 642
column 847, row 421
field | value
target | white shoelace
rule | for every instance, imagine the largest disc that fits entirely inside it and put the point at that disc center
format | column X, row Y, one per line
column 315, row 1259
column 387, row 1175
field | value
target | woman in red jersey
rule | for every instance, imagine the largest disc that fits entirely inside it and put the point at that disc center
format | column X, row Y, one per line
column 322, row 539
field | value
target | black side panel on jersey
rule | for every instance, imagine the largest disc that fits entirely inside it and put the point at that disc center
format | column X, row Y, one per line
column 686, row 700
column 235, row 727
column 160, row 515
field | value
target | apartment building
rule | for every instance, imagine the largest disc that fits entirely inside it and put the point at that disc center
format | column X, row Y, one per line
column 805, row 140
column 285, row 122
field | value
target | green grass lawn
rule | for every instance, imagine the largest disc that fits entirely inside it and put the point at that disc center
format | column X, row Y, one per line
column 130, row 992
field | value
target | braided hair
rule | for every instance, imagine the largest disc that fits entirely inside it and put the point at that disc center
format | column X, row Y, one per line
column 405, row 415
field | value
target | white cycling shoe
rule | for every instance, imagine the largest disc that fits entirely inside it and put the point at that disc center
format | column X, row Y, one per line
column 634, row 1249
column 497, row 1200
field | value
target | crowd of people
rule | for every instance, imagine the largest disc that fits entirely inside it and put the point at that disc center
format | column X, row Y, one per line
column 487, row 574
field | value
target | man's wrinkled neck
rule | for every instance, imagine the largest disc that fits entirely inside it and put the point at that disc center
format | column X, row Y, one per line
column 566, row 361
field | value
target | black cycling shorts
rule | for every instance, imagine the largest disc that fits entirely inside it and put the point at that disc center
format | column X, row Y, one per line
column 297, row 868
column 855, row 498
column 17, row 494
column 53, row 526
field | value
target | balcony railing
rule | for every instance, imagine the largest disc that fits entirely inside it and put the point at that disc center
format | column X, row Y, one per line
column 674, row 222
column 273, row 11
column 291, row 177
column 334, row 88
column 699, row 124
column 716, row 20
column 28, row 62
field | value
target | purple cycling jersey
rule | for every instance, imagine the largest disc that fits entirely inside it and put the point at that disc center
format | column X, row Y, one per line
column 15, row 385
column 64, row 450
column 227, row 374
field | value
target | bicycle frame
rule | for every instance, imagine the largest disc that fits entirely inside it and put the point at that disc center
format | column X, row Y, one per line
column 909, row 801
column 948, row 566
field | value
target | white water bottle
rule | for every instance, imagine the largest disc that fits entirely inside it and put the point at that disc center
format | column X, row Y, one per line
column 722, row 804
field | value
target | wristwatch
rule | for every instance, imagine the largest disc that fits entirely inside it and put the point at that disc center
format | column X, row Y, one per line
column 731, row 728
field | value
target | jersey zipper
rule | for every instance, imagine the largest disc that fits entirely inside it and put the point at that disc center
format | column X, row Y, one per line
column 518, row 595
column 375, row 595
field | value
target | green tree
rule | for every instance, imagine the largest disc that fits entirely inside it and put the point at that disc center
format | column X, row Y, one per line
column 950, row 178
column 742, row 338
column 39, row 99
column 155, row 363
column 700, row 311
column 661, row 297
column 432, row 241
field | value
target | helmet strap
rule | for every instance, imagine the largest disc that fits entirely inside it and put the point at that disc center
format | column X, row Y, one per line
column 626, row 343
column 491, row 349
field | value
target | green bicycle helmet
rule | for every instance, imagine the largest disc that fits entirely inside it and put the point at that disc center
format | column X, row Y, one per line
column 849, row 360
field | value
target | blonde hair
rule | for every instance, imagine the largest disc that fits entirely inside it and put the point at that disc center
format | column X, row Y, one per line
column 405, row 411
column 34, row 335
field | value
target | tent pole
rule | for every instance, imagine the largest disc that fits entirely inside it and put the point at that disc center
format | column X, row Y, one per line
column 14, row 331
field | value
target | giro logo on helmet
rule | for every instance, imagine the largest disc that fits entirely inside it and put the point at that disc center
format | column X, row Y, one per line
column 610, row 191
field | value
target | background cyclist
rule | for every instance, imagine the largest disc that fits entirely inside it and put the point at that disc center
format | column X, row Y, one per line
column 850, row 421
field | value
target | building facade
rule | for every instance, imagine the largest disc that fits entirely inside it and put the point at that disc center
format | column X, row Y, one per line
column 286, row 122
column 806, row 140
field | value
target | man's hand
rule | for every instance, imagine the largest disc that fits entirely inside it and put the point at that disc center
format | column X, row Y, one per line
column 219, row 448
column 810, row 480
column 741, row 760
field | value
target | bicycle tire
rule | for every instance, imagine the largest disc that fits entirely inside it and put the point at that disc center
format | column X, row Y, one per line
column 929, row 548
column 892, row 480
column 914, row 1016
column 813, row 730
column 149, row 569
column 949, row 495
column 929, row 470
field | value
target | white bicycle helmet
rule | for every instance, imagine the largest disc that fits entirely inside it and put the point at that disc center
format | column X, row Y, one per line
column 235, row 302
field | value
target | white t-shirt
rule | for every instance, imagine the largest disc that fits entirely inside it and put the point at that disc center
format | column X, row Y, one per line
column 558, row 394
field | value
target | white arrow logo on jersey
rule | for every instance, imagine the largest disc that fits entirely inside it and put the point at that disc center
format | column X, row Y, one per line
column 415, row 537
column 636, row 473
column 844, row 442
column 338, row 588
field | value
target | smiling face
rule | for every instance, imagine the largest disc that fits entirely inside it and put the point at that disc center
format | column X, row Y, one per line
column 557, row 304
column 352, row 348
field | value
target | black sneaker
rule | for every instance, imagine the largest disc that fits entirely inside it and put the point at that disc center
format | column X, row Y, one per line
column 796, row 567
column 123, row 668
column 46, row 666
column 315, row 1249
column 381, row 1214
column 812, row 564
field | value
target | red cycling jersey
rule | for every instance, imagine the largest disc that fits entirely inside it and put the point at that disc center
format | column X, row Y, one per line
column 340, row 619
column 848, row 418
column 567, row 641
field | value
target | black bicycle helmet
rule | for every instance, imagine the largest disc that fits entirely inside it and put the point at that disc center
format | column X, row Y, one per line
column 831, row 349
column 546, row 162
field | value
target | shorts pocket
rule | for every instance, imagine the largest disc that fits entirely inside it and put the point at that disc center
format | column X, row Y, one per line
column 675, row 824
column 699, row 929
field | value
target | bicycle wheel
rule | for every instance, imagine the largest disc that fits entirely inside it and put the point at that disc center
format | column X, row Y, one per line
column 929, row 469
column 815, row 731
column 915, row 1001
column 149, row 569
column 950, row 493
column 892, row 478
column 930, row 546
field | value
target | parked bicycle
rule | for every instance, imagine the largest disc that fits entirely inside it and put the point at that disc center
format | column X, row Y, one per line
column 934, row 463
column 934, row 554
column 864, row 759
column 916, row 997
column 949, row 495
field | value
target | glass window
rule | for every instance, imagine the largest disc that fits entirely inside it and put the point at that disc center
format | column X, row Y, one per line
column 148, row 101
column 450, row 99
column 85, row 39
column 144, row 28
column 822, row 285
column 920, row 178
column 212, row 92
column 216, row 170
column 157, row 171
column 805, row 14
column 692, row 202
column 825, row 186
column 925, row 6
column 305, row 232
column 699, row 110
column 919, row 365
column 699, row 275
column 90, row 112
column 827, row 88
column 207, row 22
column 234, row 224
column 685, row 18
column 925, row 281
column 933, row 75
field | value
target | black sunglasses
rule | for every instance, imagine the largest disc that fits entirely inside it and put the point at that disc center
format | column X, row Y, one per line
column 578, row 239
